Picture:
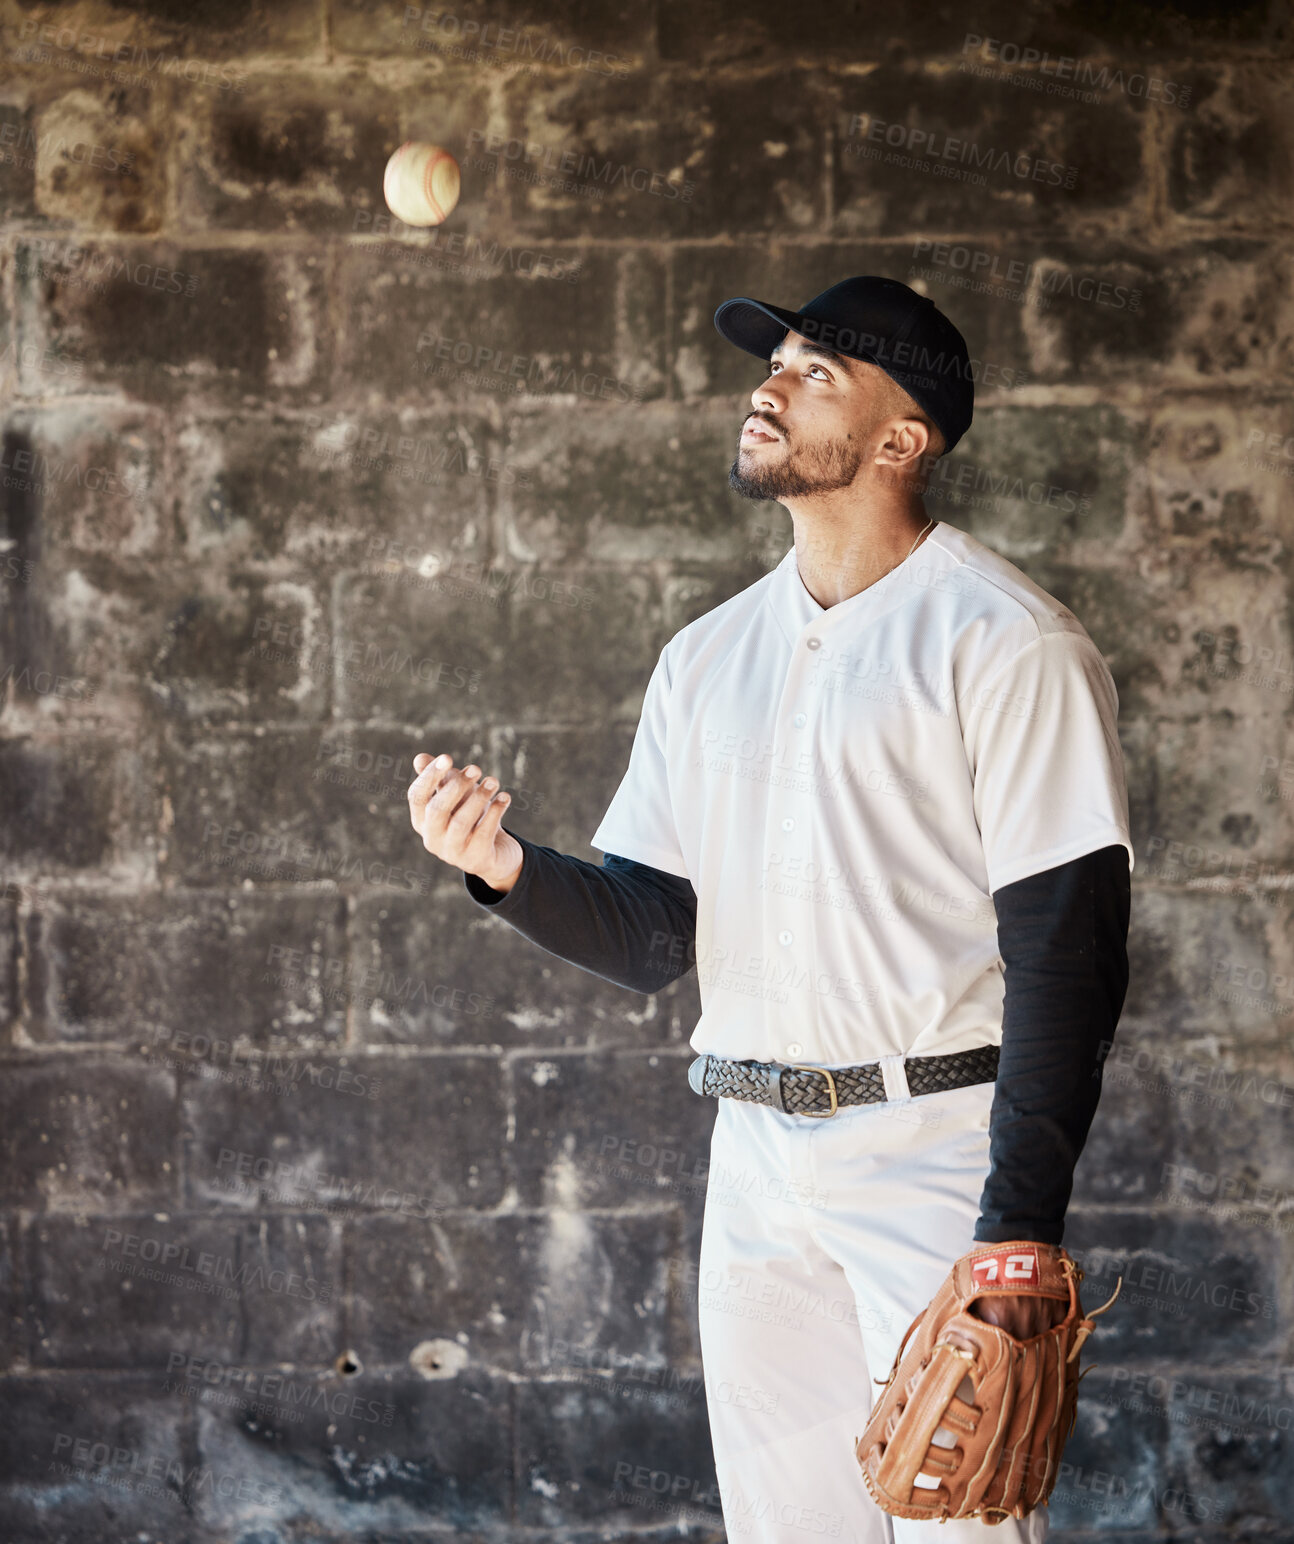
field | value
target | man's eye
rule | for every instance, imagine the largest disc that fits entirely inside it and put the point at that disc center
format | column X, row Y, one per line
column 775, row 366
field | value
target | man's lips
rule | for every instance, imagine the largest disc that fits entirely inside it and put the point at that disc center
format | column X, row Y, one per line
column 754, row 429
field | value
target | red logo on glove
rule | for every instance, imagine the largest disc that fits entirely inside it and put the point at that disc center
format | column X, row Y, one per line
column 1008, row 1268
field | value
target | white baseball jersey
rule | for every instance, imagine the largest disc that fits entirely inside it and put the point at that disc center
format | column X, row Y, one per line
column 845, row 787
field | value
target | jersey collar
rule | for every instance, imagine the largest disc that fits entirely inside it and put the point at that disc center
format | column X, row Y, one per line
column 797, row 611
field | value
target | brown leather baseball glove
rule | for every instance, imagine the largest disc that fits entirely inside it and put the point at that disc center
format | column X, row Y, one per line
column 970, row 1406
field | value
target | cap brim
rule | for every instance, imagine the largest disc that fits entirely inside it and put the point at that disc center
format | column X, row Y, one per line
column 758, row 328
column 754, row 326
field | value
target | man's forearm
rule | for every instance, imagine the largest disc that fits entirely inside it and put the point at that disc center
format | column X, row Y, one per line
column 624, row 921
column 1063, row 938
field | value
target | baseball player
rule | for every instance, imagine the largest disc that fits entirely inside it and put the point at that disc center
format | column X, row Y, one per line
column 877, row 800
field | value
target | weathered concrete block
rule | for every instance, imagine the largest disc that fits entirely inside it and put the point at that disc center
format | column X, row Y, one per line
column 87, row 1454
column 588, row 1455
column 17, row 170
column 1041, row 485
column 440, row 972
column 1112, row 1474
column 279, row 156
column 240, row 809
column 616, row 497
column 71, row 813
column 504, row 293
column 336, row 486
column 1010, row 293
column 564, row 1294
column 967, row 151
column 256, row 1289
column 1204, row 315
column 1240, row 117
column 1077, row 45
column 244, row 647
column 403, row 654
column 48, row 683
column 1129, row 1135
column 159, row 41
column 1228, row 1443
column 248, row 807
column 445, row 1457
column 409, row 654
column 94, row 472
column 1206, row 966
column 684, row 1285
column 97, row 159
column 357, row 1133
column 1216, row 474
column 229, row 322
column 88, row 1133
column 1221, row 813
column 647, row 156
column 9, row 897
column 96, row 644
column 610, row 1129
column 15, row 1343
column 563, row 37
column 1180, row 644
column 109, row 969
column 1193, row 1289
column 428, row 973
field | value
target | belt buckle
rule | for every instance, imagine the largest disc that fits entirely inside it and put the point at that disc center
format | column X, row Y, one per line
column 831, row 1089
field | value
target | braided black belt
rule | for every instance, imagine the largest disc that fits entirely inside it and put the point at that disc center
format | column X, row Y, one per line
column 797, row 1089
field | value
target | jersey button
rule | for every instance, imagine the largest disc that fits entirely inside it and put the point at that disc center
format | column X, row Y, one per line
column 788, row 824
column 785, row 936
column 813, row 643
column 799, row 721
column 795, row 1049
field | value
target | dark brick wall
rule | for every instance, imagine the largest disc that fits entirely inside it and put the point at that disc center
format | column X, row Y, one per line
column 332, row 1209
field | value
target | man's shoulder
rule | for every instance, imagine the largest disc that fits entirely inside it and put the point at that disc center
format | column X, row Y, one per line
column 1002, row 599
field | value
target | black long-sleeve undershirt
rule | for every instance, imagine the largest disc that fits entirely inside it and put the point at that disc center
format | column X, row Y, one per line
column 624, row 921
column 1062, row 936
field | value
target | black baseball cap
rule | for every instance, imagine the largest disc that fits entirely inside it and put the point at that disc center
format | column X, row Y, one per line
column 882, row 321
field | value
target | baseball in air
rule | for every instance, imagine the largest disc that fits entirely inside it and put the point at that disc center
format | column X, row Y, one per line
column 421, row 183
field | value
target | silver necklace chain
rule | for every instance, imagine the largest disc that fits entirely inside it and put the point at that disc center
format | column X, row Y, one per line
column 913, row 547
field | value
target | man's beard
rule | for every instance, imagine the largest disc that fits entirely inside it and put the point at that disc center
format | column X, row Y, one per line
column 797, row 473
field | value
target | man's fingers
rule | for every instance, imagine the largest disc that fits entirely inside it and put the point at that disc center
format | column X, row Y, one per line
column 420, row 792
column 428, row 780
column 429, row 774
column 487, row 827
column 461, row 805
column 466, row 814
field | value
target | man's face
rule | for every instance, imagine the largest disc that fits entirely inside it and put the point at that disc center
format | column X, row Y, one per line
column 811, row 423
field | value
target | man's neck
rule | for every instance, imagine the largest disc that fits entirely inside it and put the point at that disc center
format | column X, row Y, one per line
column 840, row 558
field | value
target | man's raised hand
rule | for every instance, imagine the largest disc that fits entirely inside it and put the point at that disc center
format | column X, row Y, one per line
column 458, row 815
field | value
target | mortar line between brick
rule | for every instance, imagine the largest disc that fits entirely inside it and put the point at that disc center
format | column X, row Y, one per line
column 350, row 904
column 1252, row 1368
column 1184, row 231
column 671, row 335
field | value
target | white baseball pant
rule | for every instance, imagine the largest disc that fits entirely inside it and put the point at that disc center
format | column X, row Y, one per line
column 822, row 1239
